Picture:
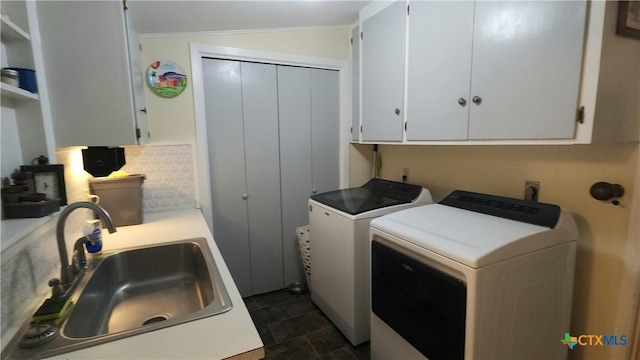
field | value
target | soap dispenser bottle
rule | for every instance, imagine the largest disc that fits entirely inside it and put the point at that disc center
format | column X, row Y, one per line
column 93, row 230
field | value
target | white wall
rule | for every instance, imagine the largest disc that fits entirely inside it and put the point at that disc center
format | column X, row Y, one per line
column 173, row 119
column 605, row 296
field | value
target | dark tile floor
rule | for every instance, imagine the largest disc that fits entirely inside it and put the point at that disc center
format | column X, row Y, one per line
column 292, row 327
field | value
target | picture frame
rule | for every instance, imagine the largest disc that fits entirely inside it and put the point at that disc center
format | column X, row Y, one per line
column 48, row 179
column 629, row 19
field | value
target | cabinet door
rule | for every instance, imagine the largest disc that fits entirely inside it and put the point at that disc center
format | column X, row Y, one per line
column 383, row 74
column 223, row 106
column 294, row 102
column 85, row 54
column 325, row 130
column 439, row 67
column 526, row 69
column 262, row 162
column 137, row 78
column 355, row 84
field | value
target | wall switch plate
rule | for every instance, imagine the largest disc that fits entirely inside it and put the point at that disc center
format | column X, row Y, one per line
column 531, row 190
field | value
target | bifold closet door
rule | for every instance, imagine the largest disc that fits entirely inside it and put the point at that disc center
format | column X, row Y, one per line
column 225, row 134
column 309, row 131
column 325, row 130
column 262, row 163
column 242, row 132
column 294, row 100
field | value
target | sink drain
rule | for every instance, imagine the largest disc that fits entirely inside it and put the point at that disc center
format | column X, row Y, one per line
column 155, row 319
column 38, row 335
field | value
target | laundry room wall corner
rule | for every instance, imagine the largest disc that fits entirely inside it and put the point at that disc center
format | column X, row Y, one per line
column 172, row 119
column 605, row 293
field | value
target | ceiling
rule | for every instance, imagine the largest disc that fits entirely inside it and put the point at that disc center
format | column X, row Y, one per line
column 153, row 17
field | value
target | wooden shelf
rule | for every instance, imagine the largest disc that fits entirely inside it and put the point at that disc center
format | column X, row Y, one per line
column 12, row 32
column 15, row 93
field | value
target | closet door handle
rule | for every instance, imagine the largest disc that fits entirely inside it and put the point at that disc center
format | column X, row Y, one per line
column 245, row 196
column 313, row 191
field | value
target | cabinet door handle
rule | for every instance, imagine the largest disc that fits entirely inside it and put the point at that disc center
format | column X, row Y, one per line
column 397, row 111
column 245, row 196
column 462, row 102
column 477, row 100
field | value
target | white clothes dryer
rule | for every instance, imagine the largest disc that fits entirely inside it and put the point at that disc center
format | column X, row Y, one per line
column 473, row 277
column 340, row 250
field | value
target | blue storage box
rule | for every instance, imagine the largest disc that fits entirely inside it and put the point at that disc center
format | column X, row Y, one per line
column 27, row 79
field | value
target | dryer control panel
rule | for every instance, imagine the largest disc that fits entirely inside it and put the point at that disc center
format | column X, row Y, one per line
column 514, row 209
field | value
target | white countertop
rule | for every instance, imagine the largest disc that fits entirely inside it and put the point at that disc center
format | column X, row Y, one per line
column 216, row 337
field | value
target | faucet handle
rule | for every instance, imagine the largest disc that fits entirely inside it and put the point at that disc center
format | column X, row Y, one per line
column 56, row 288
column 79, row 260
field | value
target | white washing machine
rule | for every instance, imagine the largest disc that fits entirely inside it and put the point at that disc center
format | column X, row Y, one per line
column 340, row 252
column 473, row 277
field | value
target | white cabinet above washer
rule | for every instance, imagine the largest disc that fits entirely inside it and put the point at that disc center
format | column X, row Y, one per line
column 383, row 49
column 494, row 70
column 440, row 70
column 507, row 72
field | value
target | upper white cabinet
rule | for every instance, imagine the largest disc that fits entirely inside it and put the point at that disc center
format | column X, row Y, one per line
column 494, row 70
column 88, row 60
column 355, row 84
column 504, row 72
column 138, row 77
column 441, row 35
column 383, row 49
column 26, row 124
column 526, row 65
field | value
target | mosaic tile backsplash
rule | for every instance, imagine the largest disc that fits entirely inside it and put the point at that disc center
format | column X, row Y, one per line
column 169, row 185
column 170, row 180
column 25, row 276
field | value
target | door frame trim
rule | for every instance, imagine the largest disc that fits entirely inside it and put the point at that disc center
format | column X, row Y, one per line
column 199, row 51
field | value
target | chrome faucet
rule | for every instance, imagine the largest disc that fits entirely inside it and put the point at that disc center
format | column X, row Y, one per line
column 66, row 275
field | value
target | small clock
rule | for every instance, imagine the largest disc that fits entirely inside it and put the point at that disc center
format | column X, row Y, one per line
column 49, row 179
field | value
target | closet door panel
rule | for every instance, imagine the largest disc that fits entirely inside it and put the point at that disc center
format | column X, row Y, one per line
column 262, row 162
column 325, row 129
column 294, row 103
column 223, row 106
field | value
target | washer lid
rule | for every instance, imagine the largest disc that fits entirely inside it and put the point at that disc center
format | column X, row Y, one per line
column 471, row 238
column 375, row 194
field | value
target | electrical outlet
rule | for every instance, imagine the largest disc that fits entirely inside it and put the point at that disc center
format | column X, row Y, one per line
column 531, row 190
